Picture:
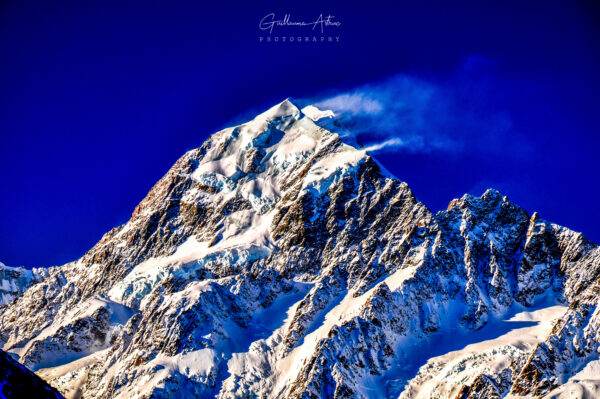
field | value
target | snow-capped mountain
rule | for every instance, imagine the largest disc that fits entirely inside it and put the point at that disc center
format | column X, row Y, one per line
column 277, row 261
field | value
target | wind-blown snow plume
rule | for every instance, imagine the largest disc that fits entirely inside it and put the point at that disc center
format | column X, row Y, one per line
column 407, row 113
column 389, row 143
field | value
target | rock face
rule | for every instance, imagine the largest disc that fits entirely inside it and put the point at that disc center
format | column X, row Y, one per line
column 18, row 382
column 277, row 261
column 15, row 280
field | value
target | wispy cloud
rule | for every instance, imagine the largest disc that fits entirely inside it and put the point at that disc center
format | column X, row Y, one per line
column 409, row 113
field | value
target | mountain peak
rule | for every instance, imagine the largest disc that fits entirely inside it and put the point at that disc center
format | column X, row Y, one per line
column 279, row 138
column 491, row 193
column 284, row 109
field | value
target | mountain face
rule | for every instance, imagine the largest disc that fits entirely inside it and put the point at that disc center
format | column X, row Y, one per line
column 15, row 280
column 277, row 261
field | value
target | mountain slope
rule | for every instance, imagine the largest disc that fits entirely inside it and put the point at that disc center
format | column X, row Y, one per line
column 278, row 261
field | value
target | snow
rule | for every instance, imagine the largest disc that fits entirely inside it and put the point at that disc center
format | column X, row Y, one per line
column 348, row 308
column 262, row 193
column 396, row 279
column 294, row 148
column 316, row 114
column 283, row 109
column 205, row 364
column 326, row 171
column 246, row 237
column 143, row 278
column 200, row 362
column 51, row 358
column 197, row 366
column 456, row 357
column 59, row 371
column 258, row 356
column 585, row 384
column 290, row 150
column 265, row 324
column 14, row 280
column 54, row 361
column 590, row 372
column 287, row 139
column 227, row 167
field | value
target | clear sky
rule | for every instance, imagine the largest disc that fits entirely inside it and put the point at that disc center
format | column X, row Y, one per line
column 99, row 99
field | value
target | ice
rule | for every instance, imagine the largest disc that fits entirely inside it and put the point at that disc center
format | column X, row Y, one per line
column 246, row 237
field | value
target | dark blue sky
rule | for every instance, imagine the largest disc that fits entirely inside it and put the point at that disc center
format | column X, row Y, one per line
column 99, row 99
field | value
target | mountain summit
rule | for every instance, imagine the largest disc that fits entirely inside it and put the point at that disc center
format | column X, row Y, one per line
column 278, row 261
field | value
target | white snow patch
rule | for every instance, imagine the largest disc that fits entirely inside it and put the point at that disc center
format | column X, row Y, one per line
column 316, row 114
column 200, row 362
